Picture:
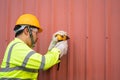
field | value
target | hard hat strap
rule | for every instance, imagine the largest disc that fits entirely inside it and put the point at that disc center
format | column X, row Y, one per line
column 21, row 28
column 31, row 37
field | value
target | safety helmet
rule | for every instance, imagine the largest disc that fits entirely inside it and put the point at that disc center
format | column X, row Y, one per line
column 29, row 19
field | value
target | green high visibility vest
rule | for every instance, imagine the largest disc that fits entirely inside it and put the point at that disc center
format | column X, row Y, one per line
column 20, row 62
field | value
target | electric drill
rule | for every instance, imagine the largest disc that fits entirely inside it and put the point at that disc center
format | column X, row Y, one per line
column 61, row 37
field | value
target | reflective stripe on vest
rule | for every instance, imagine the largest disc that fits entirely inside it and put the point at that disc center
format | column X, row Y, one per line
column 42, row 62
column 8, row 69
column 18, row 68
column 13, row 79
column 9, row 54
column 27, row 57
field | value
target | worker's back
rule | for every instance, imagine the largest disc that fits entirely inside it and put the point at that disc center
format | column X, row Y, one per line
column 16, row 65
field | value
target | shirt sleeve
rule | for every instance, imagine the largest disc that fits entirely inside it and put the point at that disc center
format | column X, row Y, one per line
column 51, row 58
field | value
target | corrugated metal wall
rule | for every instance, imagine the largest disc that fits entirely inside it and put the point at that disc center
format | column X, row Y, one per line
column 94, row 29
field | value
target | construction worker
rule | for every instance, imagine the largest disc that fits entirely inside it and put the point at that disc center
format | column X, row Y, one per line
column 20, row 61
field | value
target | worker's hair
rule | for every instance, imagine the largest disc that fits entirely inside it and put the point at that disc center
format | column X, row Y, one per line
column 19, row 32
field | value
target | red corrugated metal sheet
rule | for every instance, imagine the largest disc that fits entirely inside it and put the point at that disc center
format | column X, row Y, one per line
column 94, row 29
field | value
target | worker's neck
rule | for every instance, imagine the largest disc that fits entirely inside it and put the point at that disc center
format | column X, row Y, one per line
column 23, row 38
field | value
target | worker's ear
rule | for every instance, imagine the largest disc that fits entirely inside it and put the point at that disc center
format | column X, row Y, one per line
column 26, row 32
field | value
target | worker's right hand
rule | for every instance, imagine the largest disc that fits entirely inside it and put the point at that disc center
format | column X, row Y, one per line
column 63, row 46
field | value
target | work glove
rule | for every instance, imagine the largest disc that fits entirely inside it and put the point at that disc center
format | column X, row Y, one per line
column 63, row 47
column 53, row 43
column 56, row 39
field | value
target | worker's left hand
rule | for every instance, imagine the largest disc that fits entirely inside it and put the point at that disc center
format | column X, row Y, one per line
column 53, row 43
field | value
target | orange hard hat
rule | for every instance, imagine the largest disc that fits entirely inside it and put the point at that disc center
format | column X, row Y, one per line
column 29, row 19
